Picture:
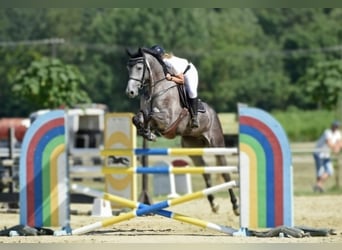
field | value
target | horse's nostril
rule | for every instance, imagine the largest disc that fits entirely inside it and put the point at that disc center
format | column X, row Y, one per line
column 131, row 93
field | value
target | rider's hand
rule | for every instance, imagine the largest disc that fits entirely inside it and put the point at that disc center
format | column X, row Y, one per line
column 168, row 77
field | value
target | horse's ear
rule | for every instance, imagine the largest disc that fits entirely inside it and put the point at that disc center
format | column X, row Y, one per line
column 128, row 52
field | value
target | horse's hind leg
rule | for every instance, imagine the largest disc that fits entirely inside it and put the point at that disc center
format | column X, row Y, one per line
column 221, row 161
column 214, row 206
column 199, row 161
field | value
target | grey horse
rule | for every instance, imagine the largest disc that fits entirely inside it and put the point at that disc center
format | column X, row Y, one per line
column 163, row 113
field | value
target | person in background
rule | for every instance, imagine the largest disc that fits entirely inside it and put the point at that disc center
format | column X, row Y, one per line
column 186, row 73
column 330, row 141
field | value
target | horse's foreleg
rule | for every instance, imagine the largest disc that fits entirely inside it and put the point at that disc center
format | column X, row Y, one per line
column 148, row 118
column 138, row 121
column 142, row 124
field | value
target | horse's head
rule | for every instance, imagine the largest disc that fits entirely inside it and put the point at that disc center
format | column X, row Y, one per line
column 136, row 72
column 139, row 70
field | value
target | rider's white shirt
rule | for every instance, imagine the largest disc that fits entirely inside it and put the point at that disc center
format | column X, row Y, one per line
column 179, row 64
column 191, row 76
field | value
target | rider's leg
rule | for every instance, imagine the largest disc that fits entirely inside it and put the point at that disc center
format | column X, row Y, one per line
column 194, row 112
column 191, row 83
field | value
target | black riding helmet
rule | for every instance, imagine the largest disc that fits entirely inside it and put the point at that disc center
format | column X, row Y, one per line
column 158, row 49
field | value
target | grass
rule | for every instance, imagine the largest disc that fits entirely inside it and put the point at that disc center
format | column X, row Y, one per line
column 295, row 123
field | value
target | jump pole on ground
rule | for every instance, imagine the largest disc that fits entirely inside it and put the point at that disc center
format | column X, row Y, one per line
column 153, row 208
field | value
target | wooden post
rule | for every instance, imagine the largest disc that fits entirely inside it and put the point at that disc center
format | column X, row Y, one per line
column 144, row 196
column 11, row 142
column 339, row 117
column 337, row 171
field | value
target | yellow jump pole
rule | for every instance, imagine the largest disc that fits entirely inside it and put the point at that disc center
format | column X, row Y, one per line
column 154, row 208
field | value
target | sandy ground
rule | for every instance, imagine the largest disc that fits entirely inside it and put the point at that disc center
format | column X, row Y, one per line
column 323, row 211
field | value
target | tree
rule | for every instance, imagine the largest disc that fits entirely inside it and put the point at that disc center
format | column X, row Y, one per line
column 236, row 67
column 246, row 55
column 324, row 83
column 295, row 30
column 48, row 83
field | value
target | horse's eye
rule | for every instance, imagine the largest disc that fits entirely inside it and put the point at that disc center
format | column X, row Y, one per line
column 139, row 67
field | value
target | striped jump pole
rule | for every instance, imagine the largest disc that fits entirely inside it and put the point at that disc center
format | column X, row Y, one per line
column 153, row 208
column 169, row 151
column 162, row 212
column 171, row 170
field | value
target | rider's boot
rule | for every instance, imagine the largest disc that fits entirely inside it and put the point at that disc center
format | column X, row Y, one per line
column 194, row 111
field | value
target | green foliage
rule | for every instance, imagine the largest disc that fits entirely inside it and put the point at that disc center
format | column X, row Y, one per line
column 48, row 83
column 257, row 56
column 11, row 61
column 301, row 126
column 324, row 83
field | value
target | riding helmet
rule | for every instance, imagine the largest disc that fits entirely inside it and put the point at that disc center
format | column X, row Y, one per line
column 158, row 49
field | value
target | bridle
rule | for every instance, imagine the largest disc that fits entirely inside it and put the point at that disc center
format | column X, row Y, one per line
column 132, row 62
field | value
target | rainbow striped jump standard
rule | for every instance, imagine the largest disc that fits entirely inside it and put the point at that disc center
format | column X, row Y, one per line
column 265, row 171
column 44, row 197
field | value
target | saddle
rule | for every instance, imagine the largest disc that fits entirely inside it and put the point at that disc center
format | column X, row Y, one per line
column 170, row 132
column 184, row 99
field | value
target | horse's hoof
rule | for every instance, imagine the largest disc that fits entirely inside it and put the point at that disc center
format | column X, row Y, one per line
column 236, row 211
column 151, row 137
column 215, row 207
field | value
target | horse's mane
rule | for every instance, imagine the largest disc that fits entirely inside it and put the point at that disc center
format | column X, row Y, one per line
column 140, row 53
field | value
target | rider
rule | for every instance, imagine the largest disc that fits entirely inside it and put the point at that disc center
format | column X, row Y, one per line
column 186, row 73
